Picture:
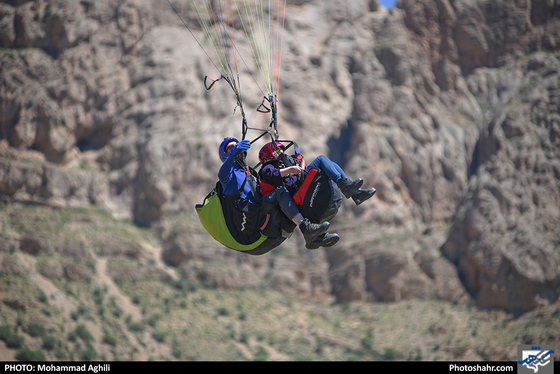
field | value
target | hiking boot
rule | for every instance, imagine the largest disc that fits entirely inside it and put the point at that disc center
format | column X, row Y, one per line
column 362, row 195
column 349, row 187
column 324, row 240
column 312, row 230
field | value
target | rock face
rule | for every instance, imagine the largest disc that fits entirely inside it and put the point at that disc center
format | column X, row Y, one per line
column 487, row 68
column 392, row 275
column 449, row 108
column 506, row 230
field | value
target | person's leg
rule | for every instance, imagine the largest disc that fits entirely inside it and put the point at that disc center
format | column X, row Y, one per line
column 348, row 187
column 286, row 203
column 309, row 229
column 331, row 168
column 335, row 173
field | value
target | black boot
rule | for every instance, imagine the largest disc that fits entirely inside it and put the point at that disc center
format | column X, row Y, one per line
column 312, row 230
column 349, row 187
column 362, row 195
column 325, row 240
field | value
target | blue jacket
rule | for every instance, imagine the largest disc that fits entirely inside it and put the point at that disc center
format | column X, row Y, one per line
column 232, row 176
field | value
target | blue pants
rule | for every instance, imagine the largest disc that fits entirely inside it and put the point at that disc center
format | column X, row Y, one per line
column 281, row 196
column 331, row 168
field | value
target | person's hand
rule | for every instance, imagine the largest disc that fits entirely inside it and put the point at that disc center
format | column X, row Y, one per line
column 243, row 145
column 296, row 169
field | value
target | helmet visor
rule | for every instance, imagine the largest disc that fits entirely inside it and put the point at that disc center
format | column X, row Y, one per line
column 229, row 146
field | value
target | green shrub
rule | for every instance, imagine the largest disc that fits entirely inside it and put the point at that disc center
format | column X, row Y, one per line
column 43, row 297
column 26, row 354
column 159, row 336
column 5, row 331
column 152, row 321
column 49, row 342
column 136, row 327
column 109, row 339
column 176, row 352
column 391, row 354
column 319, row 349
column 89, row 354
column 83, row 333
column 35, row 330
column 367, row 343
column 14, row 341
column 223, row 311
column 261, row 355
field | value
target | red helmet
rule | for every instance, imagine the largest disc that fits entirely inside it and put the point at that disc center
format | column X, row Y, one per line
column 270, row 151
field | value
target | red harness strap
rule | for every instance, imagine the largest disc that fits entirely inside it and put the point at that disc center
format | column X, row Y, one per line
column 300, row 195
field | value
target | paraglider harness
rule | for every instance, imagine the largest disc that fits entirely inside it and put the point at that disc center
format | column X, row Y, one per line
column 240, row 224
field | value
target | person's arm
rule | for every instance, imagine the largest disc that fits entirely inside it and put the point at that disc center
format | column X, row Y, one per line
column 225, row 170
column 290, row 169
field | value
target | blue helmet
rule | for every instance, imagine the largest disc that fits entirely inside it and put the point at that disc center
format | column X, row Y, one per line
column 224, row 153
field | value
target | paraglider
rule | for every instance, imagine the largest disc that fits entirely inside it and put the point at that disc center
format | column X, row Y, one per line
column 244, row 211
column 234, row 182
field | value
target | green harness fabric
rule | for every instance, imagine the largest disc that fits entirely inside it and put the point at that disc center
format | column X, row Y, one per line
column 212, row 218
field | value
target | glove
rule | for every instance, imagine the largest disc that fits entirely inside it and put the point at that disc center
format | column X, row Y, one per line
column 243, row 145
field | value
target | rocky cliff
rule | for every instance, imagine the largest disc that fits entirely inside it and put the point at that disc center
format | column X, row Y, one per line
column 449, row 108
